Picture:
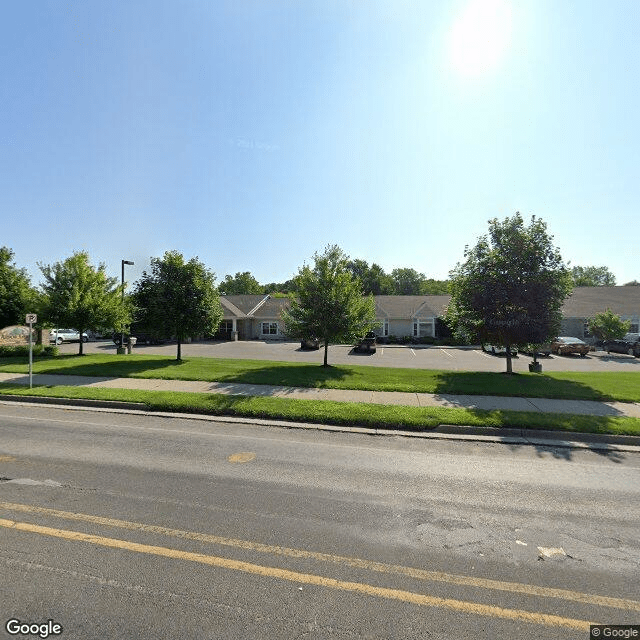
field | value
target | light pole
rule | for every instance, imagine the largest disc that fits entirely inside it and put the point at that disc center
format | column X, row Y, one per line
column 122, row 334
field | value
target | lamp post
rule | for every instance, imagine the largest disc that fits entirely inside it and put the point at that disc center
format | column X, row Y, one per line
column 122, row 334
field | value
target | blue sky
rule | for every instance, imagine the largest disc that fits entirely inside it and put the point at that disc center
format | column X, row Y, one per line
column 252, row 134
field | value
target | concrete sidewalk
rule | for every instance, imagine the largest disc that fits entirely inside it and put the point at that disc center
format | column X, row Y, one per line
column 537, row 405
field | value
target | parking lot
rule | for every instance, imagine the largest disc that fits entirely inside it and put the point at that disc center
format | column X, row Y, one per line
column 415, row 357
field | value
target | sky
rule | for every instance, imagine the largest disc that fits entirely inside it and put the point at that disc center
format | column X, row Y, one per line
column 252, row 134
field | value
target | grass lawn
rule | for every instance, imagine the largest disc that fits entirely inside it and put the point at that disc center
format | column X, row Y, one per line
column 569, row 385
column 339, row 413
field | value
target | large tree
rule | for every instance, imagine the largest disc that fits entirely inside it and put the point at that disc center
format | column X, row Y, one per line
column 511, row 286
column 608, row 326
column 373, row 278
column 592, row 277
column 329, row 305
column 16, row 293
column 241, row 283
column 178, row 299
column 77, row 295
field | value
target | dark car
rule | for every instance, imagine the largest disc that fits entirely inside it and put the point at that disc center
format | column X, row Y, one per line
column 630, row 345
column 566, row 345
column 310, row 344
column 366, row 344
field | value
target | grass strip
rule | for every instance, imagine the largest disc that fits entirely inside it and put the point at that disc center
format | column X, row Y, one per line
column 338, row 413
column 568, row 385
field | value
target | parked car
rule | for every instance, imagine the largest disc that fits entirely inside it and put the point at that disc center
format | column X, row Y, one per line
column 58, row 336
column 565, row 345
column 366, row 344
column 497, row 349
column 630, row 345
column 310, row 344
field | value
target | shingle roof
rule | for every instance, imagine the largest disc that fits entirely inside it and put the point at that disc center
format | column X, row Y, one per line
column 411, row 306
column 585, row 302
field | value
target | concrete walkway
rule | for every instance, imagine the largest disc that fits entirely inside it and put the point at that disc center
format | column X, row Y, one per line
column 538, row 405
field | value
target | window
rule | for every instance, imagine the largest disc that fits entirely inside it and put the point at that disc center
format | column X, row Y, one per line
column 269, row 328
column 384, row 328
column 226, row 326
column 585, row 329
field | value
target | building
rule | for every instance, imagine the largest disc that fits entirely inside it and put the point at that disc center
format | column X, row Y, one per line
column 258, row 317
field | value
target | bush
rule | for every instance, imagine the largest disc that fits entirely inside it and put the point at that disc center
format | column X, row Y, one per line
column 22, row 351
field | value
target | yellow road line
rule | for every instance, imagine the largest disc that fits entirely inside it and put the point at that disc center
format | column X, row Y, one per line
column 369, row 565
column 306, row 578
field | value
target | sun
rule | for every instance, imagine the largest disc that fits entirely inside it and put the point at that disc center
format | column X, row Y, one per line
column 480, row 36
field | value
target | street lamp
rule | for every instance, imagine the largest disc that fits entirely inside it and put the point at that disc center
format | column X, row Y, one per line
column 122, row 334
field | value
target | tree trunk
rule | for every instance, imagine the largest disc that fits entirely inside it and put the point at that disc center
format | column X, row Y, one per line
column 179, row 356
column 326, row 352
column 81, row 350
column 509, row 365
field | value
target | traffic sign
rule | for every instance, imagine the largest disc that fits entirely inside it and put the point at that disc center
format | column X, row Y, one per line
column 32, row 318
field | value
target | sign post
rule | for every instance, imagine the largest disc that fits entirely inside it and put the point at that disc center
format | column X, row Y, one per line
column 31, row 319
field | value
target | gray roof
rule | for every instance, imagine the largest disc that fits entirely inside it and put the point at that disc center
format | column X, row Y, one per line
column 585, row 302
column 409, row 307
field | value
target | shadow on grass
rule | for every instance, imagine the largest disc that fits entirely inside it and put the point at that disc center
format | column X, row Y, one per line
column 514, row 385
column 288, row 375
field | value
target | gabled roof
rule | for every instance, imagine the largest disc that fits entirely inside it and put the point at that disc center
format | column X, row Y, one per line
column 409, row 307
column 230, row 309
column 585, row 302
column 245, row 303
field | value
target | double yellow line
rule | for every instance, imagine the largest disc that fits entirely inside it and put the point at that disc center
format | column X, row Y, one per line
column 311, row 579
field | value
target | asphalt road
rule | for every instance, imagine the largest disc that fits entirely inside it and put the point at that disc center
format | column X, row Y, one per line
column 416, row 357
column 133, row 526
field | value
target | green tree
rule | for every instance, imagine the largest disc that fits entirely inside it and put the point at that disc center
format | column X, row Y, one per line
column 592, row 277
column 79, row 296
column 178, row 299
column 16, row 294
column 608, row 326
column 407, row 282
column 241, row 283
column 329, row 304
column 511, row 286
column 373, row 278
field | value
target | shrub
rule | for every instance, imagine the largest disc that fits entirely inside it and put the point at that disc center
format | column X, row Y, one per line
column 22, row 351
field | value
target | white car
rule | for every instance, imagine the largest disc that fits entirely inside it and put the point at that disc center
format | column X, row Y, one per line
column 496, row 350
column 58, row 336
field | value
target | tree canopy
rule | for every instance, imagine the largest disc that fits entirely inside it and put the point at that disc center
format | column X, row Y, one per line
column 608, row 326
column 329, row 305
column 592, row 277
column 82, row 297
column 16, row 293
column 511, row 286
column 241, row 283
column 177, row 299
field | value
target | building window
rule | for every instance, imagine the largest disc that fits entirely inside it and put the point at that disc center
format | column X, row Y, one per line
column 383, row 328
column 269, row 328
column 416, row 328
column 423, row 327
column 585, row 329
column 226, row 326
column 634, row 327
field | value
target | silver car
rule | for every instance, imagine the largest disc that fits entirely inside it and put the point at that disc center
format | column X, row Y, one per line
column 58, row 336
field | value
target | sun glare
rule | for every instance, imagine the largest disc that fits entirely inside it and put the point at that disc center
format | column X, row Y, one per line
column 480, row 36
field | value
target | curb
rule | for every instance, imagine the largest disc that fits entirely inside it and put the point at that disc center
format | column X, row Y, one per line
column 514, row 436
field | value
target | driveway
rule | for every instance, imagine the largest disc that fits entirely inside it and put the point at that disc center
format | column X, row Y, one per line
column 413, row 357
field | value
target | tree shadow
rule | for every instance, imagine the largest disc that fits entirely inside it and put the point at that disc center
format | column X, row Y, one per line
column 566, row 450
column 514, row 385
column 288, row 375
